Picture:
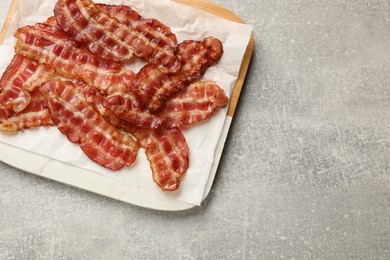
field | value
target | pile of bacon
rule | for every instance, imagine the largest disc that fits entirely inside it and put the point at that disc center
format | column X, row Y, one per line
column 69, row 72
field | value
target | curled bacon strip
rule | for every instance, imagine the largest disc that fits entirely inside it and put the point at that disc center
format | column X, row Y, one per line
column 35, row 114
column 50, row 45
column 153, row 87
column 21, row 77
column 167, row 152
column 198, row 56
column 82, row 124
column 110, row 39
column 194, row 104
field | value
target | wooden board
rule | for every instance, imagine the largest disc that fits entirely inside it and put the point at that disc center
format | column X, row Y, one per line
column 103, row 185
column 206, row 6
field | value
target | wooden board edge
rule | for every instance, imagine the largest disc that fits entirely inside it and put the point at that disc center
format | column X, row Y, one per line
column 241, row 77
column 8, row 19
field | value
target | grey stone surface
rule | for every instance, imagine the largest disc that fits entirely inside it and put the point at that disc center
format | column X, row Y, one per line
column 305, row 173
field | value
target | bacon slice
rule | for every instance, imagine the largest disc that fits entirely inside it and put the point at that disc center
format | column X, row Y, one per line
column 167, row 152
column 152, row 29
column 166, row 149
column 126, row 107
column 50, row 45
column 110, row 39
column 197, row 56
column 196, row 103
column 21, row 77
column 82, row 124
column 35, row 114
column 153, row 87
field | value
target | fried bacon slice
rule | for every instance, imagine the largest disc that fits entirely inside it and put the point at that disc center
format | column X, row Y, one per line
column 109, row 38
column 166, row 149
column 152, row 29
column 82, row 124
column 154, row 87
column 194, row 104
column 35, row 114
column 168, row 155
column 126, row 107
column 197, row 56
column 50, row 45
column 20, row 78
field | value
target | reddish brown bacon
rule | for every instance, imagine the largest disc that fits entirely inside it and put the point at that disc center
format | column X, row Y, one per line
column 50, row 45
column 166, row 149
column 110, row 106
column 153, row 87
column 196, row 103
column 19, row 79
column 110, row 39
column 82, row 124
column 126, row 107
column 152, row 29
column 167, row 152
column 51, row 21
column 198, row 56
column 34, row 115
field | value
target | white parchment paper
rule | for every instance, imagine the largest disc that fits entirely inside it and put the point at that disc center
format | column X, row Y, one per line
column 186, row 23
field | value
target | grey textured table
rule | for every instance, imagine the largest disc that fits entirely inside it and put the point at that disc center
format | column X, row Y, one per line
column 305, row 173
